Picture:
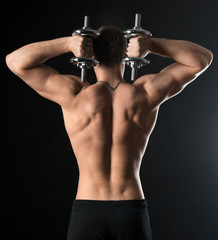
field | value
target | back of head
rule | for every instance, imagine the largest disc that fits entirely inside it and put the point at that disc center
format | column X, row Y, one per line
column 110, row 46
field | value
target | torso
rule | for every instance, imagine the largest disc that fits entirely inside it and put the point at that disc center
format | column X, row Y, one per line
column 109, row 131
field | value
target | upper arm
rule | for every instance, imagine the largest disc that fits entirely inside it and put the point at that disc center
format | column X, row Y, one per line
column 50, row 84
column 169, row 82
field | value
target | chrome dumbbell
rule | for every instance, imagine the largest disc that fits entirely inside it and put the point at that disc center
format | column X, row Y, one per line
column 134, row 62
column 85, row 63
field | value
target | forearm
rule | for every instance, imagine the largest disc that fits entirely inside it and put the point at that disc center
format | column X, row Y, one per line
column 37, row 53
column 184, row 52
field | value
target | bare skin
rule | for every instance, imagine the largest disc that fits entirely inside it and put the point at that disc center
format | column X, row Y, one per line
column 109, row 130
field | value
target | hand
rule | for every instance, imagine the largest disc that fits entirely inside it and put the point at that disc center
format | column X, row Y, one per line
column 81, row 46
column 138, row 47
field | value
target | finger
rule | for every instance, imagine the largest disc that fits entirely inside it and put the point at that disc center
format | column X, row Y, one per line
column 74, row 34
column 133, row 54
column 133, row 41
column 133, row 49
column 133, row 44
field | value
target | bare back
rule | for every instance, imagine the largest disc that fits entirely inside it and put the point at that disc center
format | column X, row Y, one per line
column 109, row 132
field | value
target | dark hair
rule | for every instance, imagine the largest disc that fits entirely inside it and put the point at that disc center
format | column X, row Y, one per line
column 110, row 46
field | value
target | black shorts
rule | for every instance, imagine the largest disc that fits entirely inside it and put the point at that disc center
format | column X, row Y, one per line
column 109, row 220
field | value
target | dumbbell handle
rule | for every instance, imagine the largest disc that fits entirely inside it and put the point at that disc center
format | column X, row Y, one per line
column 83, row 74
column 86, row 21
column 137, row 25
column 84, row 70
column 85, row 63
column 138, row 20
column 133, row 73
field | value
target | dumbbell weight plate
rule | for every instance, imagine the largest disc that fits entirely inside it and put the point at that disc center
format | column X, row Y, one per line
column 135, row 62
column 84, row 62
column 87, row 32
column 135, row 32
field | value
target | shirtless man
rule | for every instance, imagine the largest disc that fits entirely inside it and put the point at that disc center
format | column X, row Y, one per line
column 109, row 128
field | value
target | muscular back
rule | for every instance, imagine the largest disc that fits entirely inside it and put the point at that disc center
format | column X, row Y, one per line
column 109, row 131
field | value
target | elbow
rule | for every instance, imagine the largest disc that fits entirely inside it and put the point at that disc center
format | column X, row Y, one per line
column 207, row 59
column 9, row 61
column 12, row 63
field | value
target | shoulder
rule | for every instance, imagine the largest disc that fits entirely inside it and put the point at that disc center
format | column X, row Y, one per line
column 71, row 83
column 62, row 88
column 146, row 84
column 143, row 80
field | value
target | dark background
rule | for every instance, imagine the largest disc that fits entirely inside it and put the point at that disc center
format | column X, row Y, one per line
column 179, row 172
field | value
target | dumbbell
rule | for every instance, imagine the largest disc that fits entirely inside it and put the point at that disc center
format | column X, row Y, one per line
column 134, row 62
column 85, row 63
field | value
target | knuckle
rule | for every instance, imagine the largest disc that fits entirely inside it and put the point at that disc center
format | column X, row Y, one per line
column 132, row 40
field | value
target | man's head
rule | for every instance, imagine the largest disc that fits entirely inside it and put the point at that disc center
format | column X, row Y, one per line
column 110, row 46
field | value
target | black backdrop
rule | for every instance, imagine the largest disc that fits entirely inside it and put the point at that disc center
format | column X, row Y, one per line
column 179, row 170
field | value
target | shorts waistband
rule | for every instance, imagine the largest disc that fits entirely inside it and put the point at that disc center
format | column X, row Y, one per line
column 109, row 204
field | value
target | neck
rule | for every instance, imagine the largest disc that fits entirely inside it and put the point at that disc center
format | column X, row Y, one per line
column 111, row 75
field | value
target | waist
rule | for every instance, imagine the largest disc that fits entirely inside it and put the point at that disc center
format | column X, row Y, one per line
column 102, row 189
column 108, row 205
